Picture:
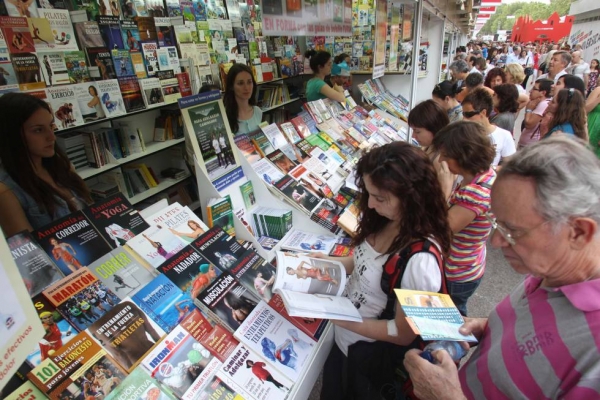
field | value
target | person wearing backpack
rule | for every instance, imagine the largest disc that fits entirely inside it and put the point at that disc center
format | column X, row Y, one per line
column 401, row 237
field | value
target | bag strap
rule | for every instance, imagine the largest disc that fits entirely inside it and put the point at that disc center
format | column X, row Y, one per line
column 395, row 266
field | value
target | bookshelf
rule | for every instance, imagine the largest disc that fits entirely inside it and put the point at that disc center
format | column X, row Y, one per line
column 163, row 185
column 264, row 110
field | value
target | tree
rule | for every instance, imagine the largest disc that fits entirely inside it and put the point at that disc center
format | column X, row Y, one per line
column 535, row 10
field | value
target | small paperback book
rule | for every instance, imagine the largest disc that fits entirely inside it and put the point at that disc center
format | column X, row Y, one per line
column 28, row 71
column 77, row 67
column 73, row 369
column 220, row 213
column 36, row 268
column 101, row 58
column 62, row 29
column 72, row 242
column 122, row 63
column 110, row 29
column 180, row 221
column 156, row 245
column 191, row 272
column 181, row 364
column 312, row 287
column 277, row 340
column 88, row 34
column 218, row 340
column 41, row 33
column 121, row 273
column 81, row 298
column 220, row 248
column 88, row 102
column 297, row 193
column 54, row 68
column 150, row 57
column 65, row 107
column 432, row 315
column 255, row 273
column 249, row 374
column 132, row 94
column 152, row 92
column 126, row 333
column 110, row 96
column 139, row 385
column 164, row 302
column 116, row 219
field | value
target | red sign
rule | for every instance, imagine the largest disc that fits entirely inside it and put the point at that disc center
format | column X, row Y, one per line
column 487, row 10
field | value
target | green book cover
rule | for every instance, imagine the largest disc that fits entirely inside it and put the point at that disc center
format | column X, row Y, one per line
column 318, row 141
column 248, row 195
column 220, row 213
column 77, row 68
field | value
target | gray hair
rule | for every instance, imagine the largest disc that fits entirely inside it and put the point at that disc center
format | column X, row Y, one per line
column 566, row 175
column 565, row 57
column 460, row 66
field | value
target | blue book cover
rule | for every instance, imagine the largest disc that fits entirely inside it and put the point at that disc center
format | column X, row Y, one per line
column 110, row 30
column 122, row 62
column 130, row 35
column 164, row 302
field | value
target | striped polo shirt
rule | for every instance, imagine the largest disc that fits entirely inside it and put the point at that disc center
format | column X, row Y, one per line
column 540, row 343
column 466, row 259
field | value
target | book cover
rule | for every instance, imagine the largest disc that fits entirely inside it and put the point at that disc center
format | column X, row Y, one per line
column 126, row 333
column 267, row 171
column 248, row 373
column 277, row 340
column 65, row 107
column 62, row 29
column 281, row 161
column 26, row 391
column 109, row 93
column 313, row 327
column 218, row 247
column 121, row 273
column 110, row 30
column 132, row 94
column 164, row 302
column 228, row 301
column 297, row 193
column 139, row 385
column 131, row 9
column 29, row 9
column 180, row 221
column 36, row 268
column 243, row 143
column 73, row 369
column 88, row 33
column 116, row 219
column 139, row 67
column 151, row 91
column 72, row 242
column 181, row 364
column 77, row 67
column 168, row 59
column 41, row 33
column 217, row 389
column 100, row 57
column 150, row 57
column 54, row 68
column 255, row 273
column 8, row 78
column 131, row 35
column 57, row 331
column 302, row 242
column 147, row 28
column 218, row 340
column 220, row 213
column 122, row 63
column 28, row 71
column 81, row 298
column 299, row 273
column 165, row 34
column 185, row 84
column 191, row 272
column 16, row 34
column 169, row 86
column 247, row 191
column 156, row 245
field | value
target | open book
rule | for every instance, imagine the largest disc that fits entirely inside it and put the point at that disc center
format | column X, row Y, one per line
column 432, row 315
column 311, row 287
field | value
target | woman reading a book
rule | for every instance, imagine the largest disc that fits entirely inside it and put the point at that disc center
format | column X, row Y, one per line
column 316, row 88
column 240, row 100
column 402, row 203
column 38, row 183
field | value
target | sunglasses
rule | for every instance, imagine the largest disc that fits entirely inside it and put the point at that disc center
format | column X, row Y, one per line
column 470, row 114
column 570, row 95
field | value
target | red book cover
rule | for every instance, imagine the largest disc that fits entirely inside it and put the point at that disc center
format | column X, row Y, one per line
column 301, row 127
column 218, row 340
column 313, row 327
column 185, row 86
column 267, row 69
column 16, row 34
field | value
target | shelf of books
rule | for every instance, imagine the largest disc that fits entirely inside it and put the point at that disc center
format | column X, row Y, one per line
column 282, row 104
column 165, row 184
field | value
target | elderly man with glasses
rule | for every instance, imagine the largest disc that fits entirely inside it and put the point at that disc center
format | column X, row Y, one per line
column 541, row 341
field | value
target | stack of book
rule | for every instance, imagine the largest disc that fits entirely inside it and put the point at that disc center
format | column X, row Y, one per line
column 72, row 144
column 271, row 222
column 139, row 178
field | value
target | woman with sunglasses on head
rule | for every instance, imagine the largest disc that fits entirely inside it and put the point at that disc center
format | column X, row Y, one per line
column 444, row 94
column 465, row 149
column 401, row 202
column 568, row 107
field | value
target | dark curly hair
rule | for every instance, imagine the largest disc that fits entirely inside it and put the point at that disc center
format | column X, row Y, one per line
column 508, row 97
column 493, row 73
column 468, row 144
column 406, row 172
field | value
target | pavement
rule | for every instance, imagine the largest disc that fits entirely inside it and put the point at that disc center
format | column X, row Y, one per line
column 499, row 280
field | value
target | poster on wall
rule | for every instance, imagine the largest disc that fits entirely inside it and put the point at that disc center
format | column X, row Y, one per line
column 394, row 37
column 407, row 16
column 588, row 35
column 380, row 39
column 306, row 18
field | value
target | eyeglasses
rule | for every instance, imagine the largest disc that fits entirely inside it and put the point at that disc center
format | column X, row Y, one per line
column 470, row 114
column 508, row 234
column 536, row 89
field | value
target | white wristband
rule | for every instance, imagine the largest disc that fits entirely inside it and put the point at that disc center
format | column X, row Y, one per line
column 392, row 329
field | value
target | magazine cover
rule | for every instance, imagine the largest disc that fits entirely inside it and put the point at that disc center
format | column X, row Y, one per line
column 121, row 273
column 181, row 364
column 70, row 371
column 277, row 340
column 54, row 68
column 164, row 302
column 126, row 333
column 65, row 107
column 132, row 94
column 116, row 219
column 81, row 298
column 109, row 92
column 255, row 273
column 218, row 247
column 101, row 58
column 299, row 273
column 156, row 245
column 191, row 272
column 62, row 29
column 180, row 221
column 36, row 268
column 248, row 373
column 72, row 242
column 138, row 385
column 57, row 331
